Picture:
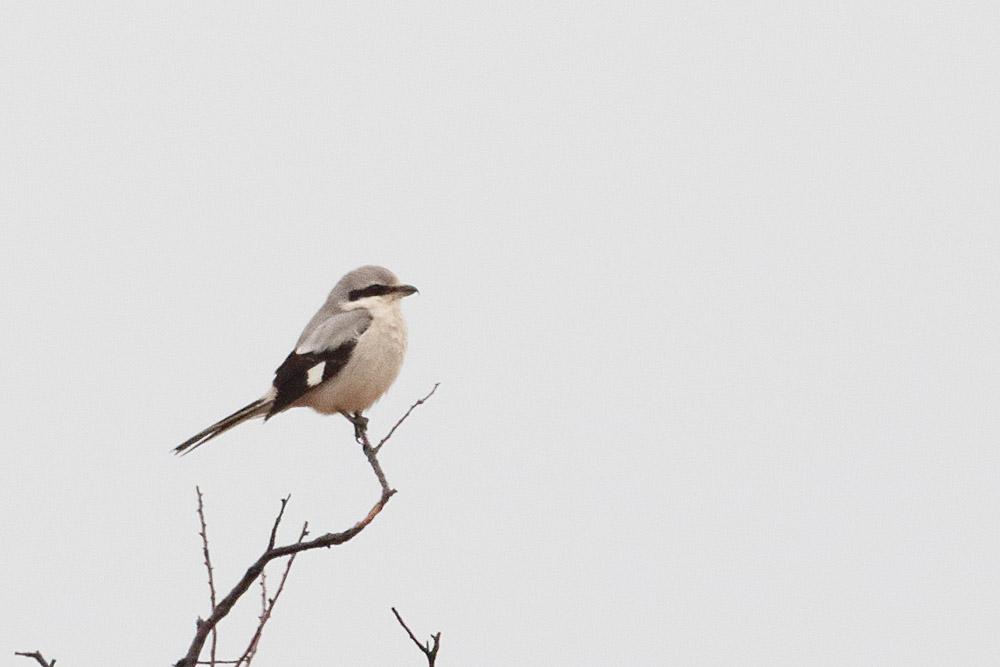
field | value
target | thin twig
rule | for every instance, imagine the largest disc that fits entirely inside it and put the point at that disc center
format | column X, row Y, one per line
column 274, row 528
column 403, row 418
column 208, row 566
column 252, row 647
column 268, row 605
column 37, row 655
column 428, row 650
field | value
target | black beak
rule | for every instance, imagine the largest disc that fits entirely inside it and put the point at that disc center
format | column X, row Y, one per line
column 405, row 290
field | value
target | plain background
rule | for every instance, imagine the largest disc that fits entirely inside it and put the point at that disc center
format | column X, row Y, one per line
column 710, row 289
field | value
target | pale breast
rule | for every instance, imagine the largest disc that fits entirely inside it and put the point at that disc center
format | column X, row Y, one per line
column 374, row 364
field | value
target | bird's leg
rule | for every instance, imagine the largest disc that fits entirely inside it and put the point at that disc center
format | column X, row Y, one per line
column 360, row 424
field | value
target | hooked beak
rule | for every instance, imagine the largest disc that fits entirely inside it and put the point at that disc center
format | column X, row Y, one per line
column 405, row 290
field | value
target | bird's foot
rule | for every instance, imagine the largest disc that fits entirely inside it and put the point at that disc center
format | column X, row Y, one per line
column 360, row 425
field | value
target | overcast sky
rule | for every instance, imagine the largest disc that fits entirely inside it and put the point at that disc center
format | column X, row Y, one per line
column 710, row 289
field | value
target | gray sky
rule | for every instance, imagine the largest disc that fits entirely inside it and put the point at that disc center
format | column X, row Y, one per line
column 710, row 290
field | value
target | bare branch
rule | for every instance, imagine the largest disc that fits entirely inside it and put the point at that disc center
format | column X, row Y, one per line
column 429, row 651
column 267, row 606
column 403, row 418
column 224, row 606
column 37, row 655
column 208, row 566
column 372, row 455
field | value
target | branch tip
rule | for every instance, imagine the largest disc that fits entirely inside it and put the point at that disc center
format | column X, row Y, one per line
column 420, row 401
column 37, row 655
column 430, row 652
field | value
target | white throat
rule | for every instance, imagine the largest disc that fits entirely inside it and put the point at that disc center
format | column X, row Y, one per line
column 379, row 306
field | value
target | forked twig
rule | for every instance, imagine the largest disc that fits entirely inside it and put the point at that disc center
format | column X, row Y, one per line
column 225, row 605
column 267, row 604
column 427, row 649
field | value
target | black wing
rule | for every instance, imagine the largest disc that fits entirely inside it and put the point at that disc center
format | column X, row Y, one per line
column 301, row 372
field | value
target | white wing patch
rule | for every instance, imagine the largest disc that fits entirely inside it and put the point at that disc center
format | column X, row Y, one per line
column 315, row 374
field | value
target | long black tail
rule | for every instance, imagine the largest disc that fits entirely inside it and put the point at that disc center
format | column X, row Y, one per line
column 258, row 408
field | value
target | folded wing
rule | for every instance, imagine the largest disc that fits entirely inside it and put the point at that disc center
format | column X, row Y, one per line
column 320, row 356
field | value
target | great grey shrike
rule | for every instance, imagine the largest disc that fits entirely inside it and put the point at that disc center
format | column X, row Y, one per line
column 346, row 358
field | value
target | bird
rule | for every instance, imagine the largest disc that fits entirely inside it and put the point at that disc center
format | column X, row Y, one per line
column 347, row 357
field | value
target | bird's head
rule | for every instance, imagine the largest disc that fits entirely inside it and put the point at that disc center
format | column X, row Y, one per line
column 370, row 286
